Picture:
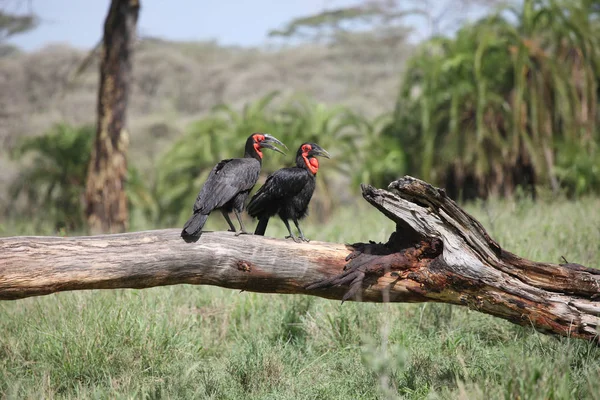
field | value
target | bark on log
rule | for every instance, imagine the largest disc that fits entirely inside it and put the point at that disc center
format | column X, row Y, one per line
column 438, row 253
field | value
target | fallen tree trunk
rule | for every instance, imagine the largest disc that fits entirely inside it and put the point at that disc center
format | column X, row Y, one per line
column 437, row 253
column 33, row 266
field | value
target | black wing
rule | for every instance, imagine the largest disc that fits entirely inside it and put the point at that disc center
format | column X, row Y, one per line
column 227, row 179
column 282, row 184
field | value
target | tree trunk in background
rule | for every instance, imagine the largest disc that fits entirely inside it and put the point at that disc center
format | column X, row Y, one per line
column 106, row 203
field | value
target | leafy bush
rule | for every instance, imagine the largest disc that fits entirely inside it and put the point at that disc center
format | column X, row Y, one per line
column 52, row 185
column 485, row 111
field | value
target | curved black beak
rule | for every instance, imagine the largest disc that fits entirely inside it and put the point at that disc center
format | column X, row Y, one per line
column 319, row 151
column 272, row 139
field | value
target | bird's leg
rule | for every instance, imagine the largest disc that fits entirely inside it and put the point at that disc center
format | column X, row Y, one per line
column 300, row 231
column 226, row 215
column 287, row 225
column 239, row 218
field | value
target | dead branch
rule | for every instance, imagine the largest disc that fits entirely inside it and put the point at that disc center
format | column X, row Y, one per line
column 438, row 253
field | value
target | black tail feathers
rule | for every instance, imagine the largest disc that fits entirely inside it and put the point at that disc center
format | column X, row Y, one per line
column 194, row 225
column 261, row 227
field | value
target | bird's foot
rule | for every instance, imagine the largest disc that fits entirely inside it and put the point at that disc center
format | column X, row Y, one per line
column 242, row 233
column 304, row 239
column 294, row 238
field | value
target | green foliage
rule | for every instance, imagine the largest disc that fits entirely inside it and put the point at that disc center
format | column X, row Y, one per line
column 185, row 166
column 141, row 196
column 383, row 159
column 196, row 342
column 54, row 179
column 354, row 142
column 52, row 184
column 577, row 170
column 50, row 187
column 502, row 101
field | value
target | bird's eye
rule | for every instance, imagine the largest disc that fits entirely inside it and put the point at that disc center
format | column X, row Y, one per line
column 306, row 148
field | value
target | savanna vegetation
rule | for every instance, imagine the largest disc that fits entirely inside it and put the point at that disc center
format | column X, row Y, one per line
column 203, row 342
column 510, row 100
column 507, row 102
column 502, row 113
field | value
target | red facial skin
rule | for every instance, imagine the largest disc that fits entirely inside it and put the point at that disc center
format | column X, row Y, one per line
column 313, row 163
column 257, row 139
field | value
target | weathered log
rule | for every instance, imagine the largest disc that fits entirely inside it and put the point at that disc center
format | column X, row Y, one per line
column 438, row 253
column 32, row 266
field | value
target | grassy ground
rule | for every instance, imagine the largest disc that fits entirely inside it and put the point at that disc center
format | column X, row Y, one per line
column 205, row 342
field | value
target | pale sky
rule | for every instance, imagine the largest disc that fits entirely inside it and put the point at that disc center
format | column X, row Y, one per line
column 231, row 22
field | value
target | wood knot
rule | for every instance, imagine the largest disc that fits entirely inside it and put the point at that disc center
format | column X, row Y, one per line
column 244, row 266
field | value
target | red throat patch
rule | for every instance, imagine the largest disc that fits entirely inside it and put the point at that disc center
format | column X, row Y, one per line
column 312, row 164
column 257, row 148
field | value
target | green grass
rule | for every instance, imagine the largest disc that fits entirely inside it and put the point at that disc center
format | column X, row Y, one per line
column 206, row 342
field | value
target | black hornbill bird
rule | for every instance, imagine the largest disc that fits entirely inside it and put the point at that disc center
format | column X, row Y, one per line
column 228, row 185
column 288, row 191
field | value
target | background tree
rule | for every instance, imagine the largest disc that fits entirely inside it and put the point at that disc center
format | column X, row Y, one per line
column 387, row 17
column 509, row 101
column 106, row 208
column 14, row 23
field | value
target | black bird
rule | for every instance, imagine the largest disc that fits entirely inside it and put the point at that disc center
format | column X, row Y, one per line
column 228, row 185
column 288, row 191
